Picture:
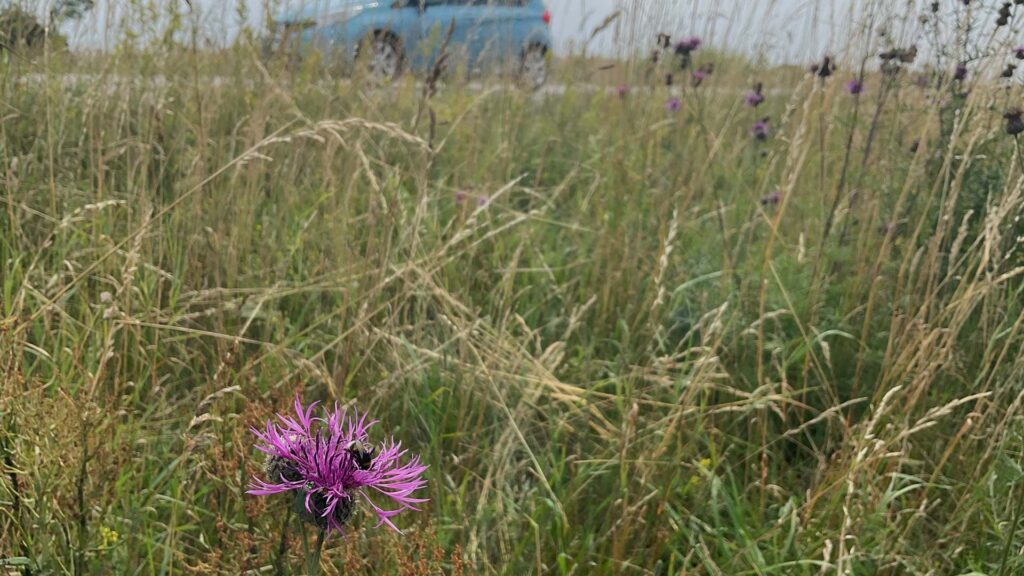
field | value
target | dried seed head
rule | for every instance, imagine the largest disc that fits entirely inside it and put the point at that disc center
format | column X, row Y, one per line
column 825, row 69
column 960, row 72
column 1014, row 121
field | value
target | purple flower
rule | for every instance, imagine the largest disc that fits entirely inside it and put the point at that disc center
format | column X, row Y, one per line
column 701, row 74
column 481, row 200
column 622, row 90
column 854, row 87
column 460, row 196
column 329, row 463
column 1019, row 52
column 684, row 48
column 772, row 199
column 960, row 72
column 755, row 97
column 760, row 130
column 673, row 105
column 687, row 45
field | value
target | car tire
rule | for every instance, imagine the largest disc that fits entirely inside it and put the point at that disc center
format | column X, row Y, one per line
column 533, row 66
column 384, row 57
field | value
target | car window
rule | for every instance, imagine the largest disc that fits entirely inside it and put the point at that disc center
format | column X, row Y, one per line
column 480, row 3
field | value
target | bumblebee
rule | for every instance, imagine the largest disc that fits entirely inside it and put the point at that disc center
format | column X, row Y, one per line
column 362, row 453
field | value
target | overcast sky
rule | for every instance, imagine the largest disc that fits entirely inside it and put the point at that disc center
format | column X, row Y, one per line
column 778, row 30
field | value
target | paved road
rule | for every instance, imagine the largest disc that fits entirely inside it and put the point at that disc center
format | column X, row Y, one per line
column 113, row 82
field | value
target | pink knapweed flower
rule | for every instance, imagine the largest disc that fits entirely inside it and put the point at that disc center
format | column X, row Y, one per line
column 687, row 45
column 755, row 97
column 329, row 464
column 761, row 130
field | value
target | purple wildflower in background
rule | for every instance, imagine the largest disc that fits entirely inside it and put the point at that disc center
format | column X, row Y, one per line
column 760, row 130
column 1019, row 52
column 684, row 49
column 687, row 45
column 960, row 72
column 460, row 196
column 673, row 105
column 772, row 199
column 329, row 463
column 622, row 90
column 482, row 200
column 854, row 86
column 701, row 74
column 754, row 98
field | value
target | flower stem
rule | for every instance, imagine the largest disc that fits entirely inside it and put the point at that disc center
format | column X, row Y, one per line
column 282, row 547
column 313, row 560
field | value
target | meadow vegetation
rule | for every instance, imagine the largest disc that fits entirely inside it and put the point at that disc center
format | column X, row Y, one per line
column 627, row 337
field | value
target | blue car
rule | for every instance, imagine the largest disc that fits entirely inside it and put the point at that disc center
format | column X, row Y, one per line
column 487, row 34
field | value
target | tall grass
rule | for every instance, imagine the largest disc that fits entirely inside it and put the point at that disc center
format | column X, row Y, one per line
column 616, row 348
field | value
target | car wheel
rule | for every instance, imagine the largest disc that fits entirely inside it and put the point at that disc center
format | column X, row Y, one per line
column 534, row 66
column 383, row 58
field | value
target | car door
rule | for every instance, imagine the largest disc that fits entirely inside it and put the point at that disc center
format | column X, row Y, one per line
column 496, row 32
column 435, row 18
column 499, row 39
column 482, row 41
